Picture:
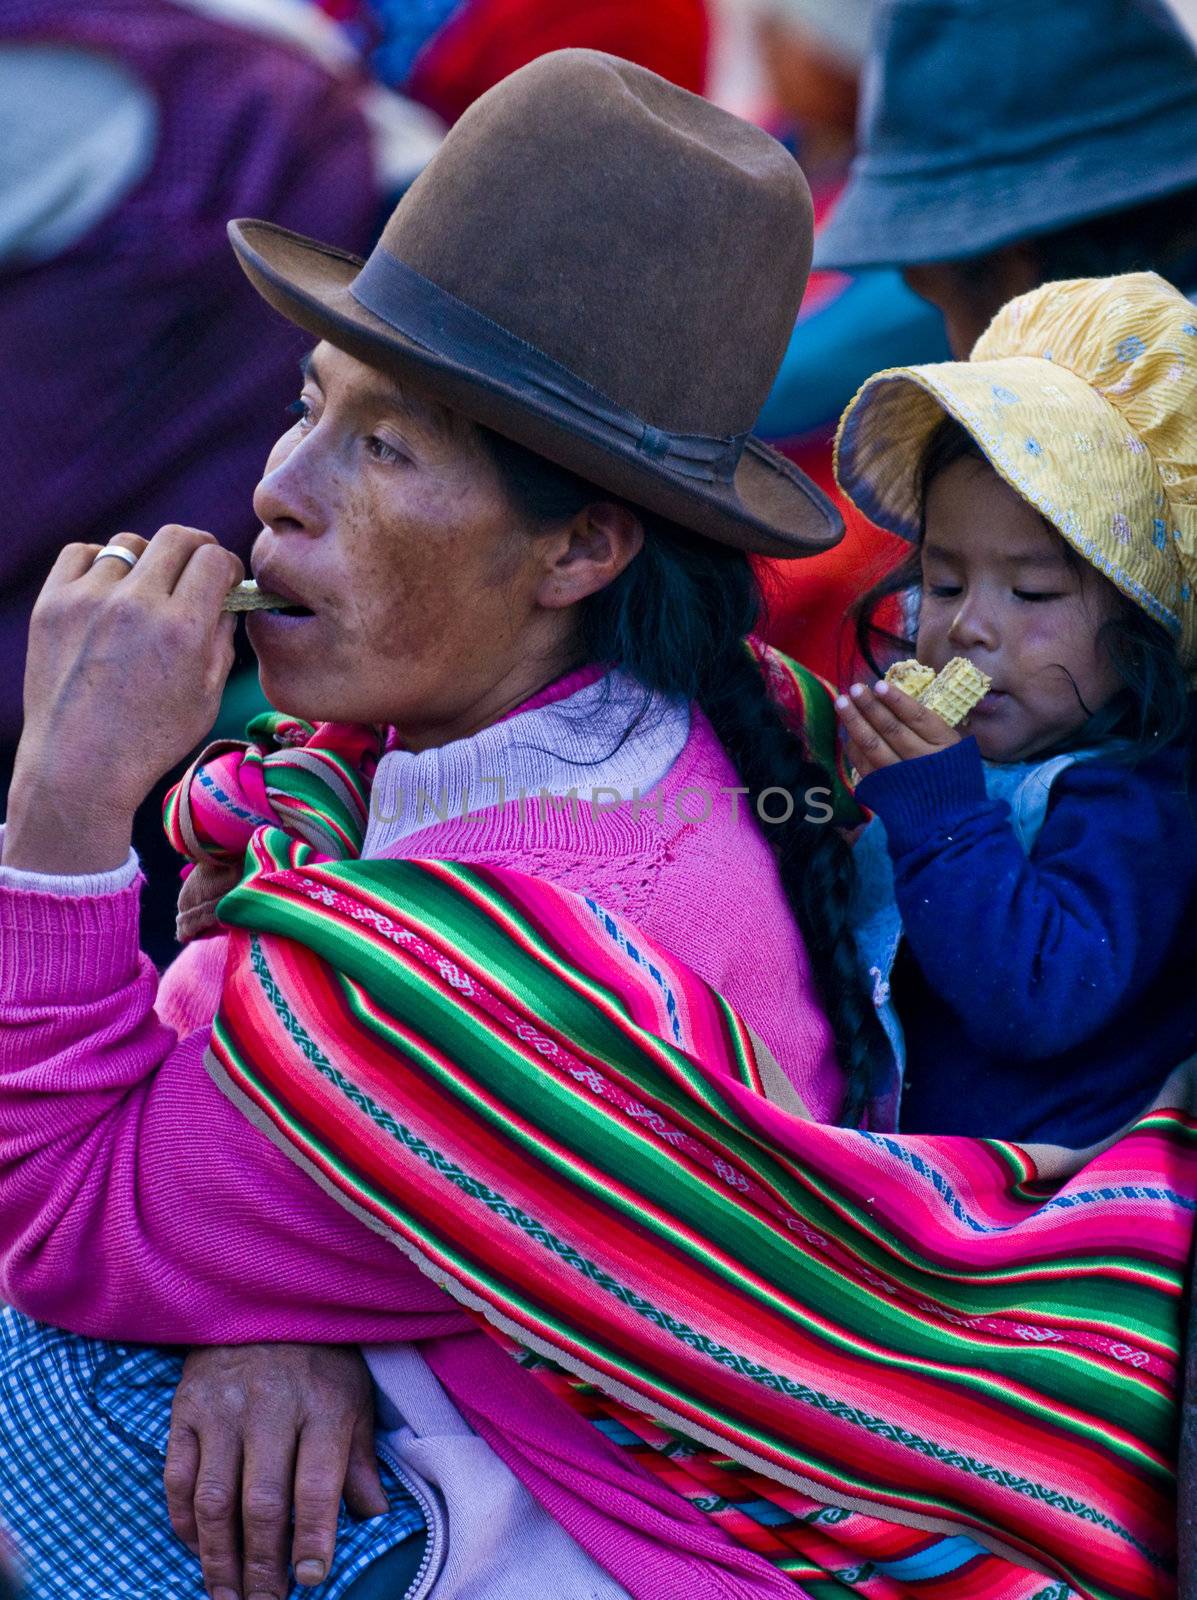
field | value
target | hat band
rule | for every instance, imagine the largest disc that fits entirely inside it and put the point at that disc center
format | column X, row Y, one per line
column 427, row 314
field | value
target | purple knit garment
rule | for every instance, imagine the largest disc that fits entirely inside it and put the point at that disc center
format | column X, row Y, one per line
column 145, row 379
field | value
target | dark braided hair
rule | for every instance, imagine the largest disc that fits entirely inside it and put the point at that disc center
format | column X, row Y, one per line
column 676, row 620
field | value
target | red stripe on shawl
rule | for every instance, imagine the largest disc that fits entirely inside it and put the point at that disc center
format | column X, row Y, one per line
column 533, row 1193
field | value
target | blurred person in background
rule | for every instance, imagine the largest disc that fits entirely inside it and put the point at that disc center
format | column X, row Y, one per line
column 813, row 52
column 445, row 53
column 1004, row 146
column 131, row 130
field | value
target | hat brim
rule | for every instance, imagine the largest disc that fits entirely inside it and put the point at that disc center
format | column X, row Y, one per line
column 888, row 216
column 1053, row 438
column 769, row 507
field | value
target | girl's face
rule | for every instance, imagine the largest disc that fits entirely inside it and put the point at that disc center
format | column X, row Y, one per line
column 998, row 587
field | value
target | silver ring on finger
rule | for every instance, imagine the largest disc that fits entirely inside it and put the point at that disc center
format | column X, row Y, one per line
column 119, row 552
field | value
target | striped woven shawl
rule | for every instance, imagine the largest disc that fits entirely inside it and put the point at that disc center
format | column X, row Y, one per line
column 892, row 1364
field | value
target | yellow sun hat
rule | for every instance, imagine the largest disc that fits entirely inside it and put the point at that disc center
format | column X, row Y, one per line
column 1083, row 396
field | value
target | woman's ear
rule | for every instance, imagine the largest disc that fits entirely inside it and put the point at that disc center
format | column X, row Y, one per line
column 589, row 553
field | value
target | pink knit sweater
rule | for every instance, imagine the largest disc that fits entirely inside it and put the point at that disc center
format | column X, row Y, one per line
column 137, row 1203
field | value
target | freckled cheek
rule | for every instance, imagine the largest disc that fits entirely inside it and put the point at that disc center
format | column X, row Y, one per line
column 406, row 606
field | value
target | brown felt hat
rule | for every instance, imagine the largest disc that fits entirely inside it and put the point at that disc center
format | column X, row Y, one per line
column 602, row 267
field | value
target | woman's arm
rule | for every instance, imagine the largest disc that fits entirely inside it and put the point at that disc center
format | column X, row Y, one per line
column 135, row 1201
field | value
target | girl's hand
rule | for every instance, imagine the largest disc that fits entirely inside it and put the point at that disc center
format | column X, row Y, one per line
column 885, row 726
column 123, row 679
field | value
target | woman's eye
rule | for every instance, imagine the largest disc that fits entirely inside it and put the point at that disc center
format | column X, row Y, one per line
column 381, row 450
column 301, row 409
column 1036, row 596
column 941, row 591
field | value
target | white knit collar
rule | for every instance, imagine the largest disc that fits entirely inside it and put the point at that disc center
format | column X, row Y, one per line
column 569, row 744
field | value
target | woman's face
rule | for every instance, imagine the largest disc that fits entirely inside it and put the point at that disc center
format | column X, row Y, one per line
column 425, row 604
column 998, row 587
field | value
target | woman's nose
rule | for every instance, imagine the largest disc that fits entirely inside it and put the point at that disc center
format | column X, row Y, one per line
column 973, row 627
column 293, row 490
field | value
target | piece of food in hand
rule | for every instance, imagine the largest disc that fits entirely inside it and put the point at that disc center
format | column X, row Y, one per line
column 956, row 691
column 912, row 677
column 248, row 597
column 951, row 694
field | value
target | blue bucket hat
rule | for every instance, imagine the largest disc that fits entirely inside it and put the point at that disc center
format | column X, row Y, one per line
column 985, row 123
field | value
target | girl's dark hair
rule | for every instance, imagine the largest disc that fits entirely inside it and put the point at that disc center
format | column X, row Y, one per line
column 1153, row 707
column 675, row 620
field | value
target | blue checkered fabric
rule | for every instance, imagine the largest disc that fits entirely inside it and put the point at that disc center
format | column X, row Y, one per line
column 83, row 1428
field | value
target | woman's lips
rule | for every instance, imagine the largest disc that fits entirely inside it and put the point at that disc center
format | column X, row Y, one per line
column 259, row 623
column 271, row 581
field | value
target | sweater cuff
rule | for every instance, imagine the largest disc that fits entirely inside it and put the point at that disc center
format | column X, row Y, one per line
column 60, row 949
column 915, row 798
column 69, row 883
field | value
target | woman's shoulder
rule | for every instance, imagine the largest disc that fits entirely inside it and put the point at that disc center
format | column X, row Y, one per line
column 717, row 866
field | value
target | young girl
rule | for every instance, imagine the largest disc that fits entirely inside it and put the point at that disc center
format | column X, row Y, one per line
column 1029, row 882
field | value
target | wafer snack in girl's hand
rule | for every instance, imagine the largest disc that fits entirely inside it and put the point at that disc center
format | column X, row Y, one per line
column 951, row 694
column 912, row 677
column 248, row 597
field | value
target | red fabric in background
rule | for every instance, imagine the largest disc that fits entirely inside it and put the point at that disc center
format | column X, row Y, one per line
column 488, row 39
column 808, row 600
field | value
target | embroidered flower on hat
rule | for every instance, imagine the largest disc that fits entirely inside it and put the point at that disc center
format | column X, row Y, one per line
column 1130, row 347
column 1190, row 328
column 1135, row 445
column 1006, row 396
column 1083, row 443
column 1159, row 534
column 1121, row 528
column 1034, row 448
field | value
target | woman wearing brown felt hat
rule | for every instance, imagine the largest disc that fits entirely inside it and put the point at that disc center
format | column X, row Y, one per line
column 511, row 522
column 516, row 1049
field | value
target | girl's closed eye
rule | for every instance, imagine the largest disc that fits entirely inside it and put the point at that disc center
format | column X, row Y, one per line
column 1037, row 596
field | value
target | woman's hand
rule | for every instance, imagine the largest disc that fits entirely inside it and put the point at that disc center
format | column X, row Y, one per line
column 884, row 725
column 123, row 678
column 259, row 1433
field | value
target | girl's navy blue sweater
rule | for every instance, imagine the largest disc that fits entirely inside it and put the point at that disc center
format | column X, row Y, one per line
column 1044, row 997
